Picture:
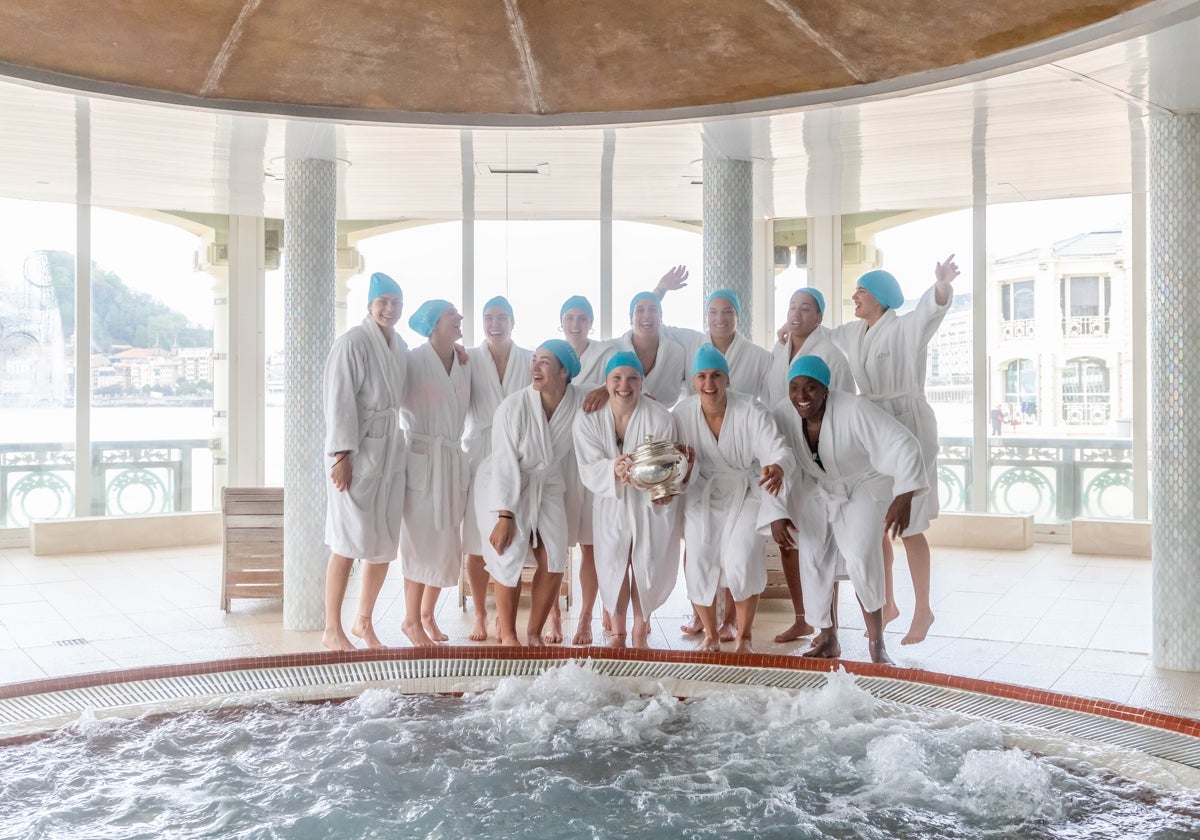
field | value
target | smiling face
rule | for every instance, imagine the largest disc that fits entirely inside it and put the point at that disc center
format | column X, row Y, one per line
column 546, row 369
column 711, row 385
column 386, row 310
column 865, row 304
column 575, row 326
column 722, row 318
column 808, row 396
column 647, row 317
column 497, row 325
column 803, row 316
column 448, row 327
column 624, row 385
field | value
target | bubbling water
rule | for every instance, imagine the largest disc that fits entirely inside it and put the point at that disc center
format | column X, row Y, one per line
column 571, row 753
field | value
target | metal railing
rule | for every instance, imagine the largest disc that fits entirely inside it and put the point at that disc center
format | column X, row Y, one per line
column 1081, row 326
column 37, row 480
column 1055, row 479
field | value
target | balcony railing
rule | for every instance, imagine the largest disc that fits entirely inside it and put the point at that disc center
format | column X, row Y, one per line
column 127, row 477
column 1085, row 326
column 1055, row 479
column 1018, row 330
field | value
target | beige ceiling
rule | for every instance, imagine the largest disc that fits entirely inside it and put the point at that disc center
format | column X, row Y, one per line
column 394, row 60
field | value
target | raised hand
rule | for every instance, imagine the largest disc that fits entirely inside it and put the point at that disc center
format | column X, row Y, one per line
column 676, row 278
column 946, row 271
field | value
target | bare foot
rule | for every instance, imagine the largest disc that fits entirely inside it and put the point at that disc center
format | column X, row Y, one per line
column 479, row 633
column 742, row 645
column 919, row 629
column 728, row 631
column 606, row 622
column 824, row 646
column 799, row 629
column 711, row 644
column 616, row 640
column 554, row 635
column 337, row 640
column 365, row 630
column 432, row 630
column 879, row 652
column 510, row 641
column 583, row 633
column 641, row 636
column 692, row 627
column 416, row 635
column 890, row 613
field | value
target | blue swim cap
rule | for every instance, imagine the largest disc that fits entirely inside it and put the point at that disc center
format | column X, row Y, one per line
column 626, row 358
column 729, row 295
column 381, row 284
column 813, row 367
column 426, row 317
column 577, row 302
column 502, row 302
column 709, row 358
column 565, row 353
column 816, row 295
column 883, row 287
column 643, row 296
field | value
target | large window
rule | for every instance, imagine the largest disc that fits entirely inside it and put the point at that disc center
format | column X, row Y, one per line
column 642, row 253
column 1058, row 272
column 37, row 365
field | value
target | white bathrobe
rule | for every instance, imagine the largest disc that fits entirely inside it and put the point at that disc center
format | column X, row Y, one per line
column 819, row 343
column 525, row 473
column 749, row 364
column 364, row 384
column 665, row 380
column 888, row 362
column 720, row 530
column 579, row 498
column 487, row 392
column 625, row 517
column 867, row 459
column 435, row 413
column 591, row 364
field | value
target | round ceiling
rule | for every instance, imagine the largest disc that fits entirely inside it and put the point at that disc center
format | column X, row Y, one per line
column 514, row 61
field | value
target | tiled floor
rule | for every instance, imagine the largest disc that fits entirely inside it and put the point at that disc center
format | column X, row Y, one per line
column 1044, row 618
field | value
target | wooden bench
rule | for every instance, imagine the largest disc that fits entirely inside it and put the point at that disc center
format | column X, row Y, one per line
column 564, row 588
column 251, row 543
column 776, row 584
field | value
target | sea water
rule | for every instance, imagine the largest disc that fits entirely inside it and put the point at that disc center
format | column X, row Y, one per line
column 571, row 753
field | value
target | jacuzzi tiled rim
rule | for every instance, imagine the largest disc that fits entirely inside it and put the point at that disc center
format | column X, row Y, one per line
column 30, row 708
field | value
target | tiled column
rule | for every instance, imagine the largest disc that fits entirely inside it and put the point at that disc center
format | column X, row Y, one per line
column 729, row 231
column 1174, row 198
column 310, row 249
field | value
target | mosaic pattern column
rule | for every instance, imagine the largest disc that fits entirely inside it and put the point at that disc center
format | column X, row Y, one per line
column 310, row 250
column 1174, row 199
column 729, row 231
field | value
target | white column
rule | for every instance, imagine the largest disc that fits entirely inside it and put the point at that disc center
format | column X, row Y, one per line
column 310, row 248
column 729, row 231
column 1174, row 192
column 246, row 422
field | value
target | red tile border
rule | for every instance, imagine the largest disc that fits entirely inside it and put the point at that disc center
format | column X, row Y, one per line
column 1104, row 708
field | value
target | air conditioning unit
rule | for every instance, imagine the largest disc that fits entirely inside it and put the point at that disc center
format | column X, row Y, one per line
column 854, row 253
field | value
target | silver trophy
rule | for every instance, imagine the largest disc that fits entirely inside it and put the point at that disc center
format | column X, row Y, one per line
column 658, row 467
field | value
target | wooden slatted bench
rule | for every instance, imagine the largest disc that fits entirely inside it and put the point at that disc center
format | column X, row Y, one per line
column 252, row 543
column 564, row 588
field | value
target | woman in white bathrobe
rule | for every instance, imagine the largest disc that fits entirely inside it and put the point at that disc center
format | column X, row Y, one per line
column 437, row 396
column 803, row 335
column 364, row 384
column 860, row 472
column 664, row 361
column 637, row 541
column 520, row 489
column 749, row 364
column 499, row 368
column 886, row 352
column 575, row 320
column 739, row 454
